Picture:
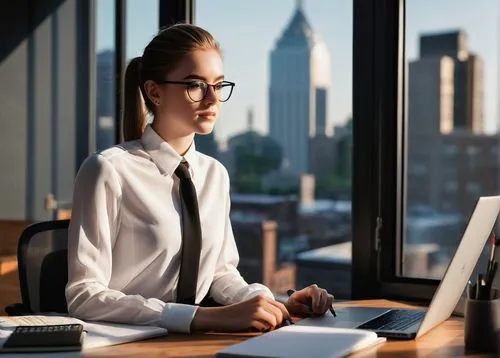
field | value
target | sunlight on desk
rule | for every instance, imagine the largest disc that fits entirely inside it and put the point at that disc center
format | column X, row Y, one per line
column 446, row 340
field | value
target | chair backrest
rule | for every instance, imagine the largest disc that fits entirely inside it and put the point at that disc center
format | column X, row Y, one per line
column 43, row 266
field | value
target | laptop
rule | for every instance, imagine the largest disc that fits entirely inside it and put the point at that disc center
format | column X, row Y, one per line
column 413, row 323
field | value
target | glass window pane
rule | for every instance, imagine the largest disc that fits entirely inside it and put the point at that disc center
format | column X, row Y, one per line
column 452, row 107
column 45, row 83
column 44, row 103
column 285, row 137
column 105, row 74
column 142, row 25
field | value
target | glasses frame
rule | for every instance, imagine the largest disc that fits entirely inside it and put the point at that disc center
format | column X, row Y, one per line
column 188, row 82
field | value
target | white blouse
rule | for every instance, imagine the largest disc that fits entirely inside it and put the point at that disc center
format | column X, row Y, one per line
column 125, row 236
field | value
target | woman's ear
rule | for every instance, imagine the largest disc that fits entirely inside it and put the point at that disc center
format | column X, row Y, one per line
column 152, row 91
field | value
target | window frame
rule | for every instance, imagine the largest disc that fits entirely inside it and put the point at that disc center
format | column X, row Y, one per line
column 120, row 65
column 86, row 79
column 176, row 11
column 379, row 184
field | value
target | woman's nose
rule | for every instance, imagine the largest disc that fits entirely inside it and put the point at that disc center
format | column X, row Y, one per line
column 211, row 96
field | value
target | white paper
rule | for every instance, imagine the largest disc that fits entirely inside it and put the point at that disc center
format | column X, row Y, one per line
column 99, row 334
column 108, row 334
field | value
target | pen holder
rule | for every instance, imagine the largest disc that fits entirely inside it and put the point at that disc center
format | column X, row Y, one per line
column 482, row 324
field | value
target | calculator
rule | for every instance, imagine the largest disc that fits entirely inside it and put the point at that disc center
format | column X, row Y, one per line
column 45, row 338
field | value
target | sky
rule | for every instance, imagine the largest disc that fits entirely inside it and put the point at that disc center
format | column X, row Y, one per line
column 247, row 34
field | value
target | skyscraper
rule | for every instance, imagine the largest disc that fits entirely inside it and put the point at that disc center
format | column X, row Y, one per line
column 461, row 78
column 299, row 82
column 450, row 160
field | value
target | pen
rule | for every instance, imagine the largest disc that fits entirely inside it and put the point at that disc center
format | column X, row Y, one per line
column 309, row 303
column 469, row 289
column 478, row 286
column 490, row 275
column 493, row 243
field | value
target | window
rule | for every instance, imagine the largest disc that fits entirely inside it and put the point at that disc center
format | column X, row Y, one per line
column 47, row 81
column 472, row 150
column 142, row 25
column 398, row 51
column 105, row 75
column 451, row 149
column 474, row 189
column 47, row 74
column 451, row 186
column 292, row 67
column 418, row 169
column 461, row 55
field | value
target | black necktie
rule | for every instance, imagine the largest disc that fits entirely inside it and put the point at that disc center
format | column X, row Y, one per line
column 191, row 237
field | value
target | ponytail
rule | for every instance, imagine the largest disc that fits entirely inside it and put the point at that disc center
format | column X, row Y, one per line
column 134, row 116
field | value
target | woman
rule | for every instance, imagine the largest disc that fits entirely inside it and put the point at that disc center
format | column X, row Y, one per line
column 126, row 236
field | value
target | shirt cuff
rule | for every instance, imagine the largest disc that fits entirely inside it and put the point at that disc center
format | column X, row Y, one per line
column 177, row 317
column 253, row 290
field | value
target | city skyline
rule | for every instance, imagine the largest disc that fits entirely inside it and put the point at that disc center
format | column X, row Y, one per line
column 247, row 62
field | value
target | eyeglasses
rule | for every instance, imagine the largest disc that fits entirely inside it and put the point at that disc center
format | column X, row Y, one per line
column 197, row 90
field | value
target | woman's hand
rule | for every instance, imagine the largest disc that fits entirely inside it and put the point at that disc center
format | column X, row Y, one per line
column 261, row 312
column 310, row 300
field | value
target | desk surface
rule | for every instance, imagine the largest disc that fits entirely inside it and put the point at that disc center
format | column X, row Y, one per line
column 446, row 340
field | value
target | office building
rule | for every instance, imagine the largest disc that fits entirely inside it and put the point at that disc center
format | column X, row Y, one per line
column 299, row 82
column 446, row 85
column 451, row 162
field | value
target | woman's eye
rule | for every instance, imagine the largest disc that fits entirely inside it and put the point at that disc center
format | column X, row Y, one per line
column 194, row 85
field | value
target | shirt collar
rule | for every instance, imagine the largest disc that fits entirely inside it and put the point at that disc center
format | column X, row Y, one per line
column 164, row 155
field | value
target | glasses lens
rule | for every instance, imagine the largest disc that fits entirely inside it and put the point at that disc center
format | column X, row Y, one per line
column 197, row 90
column 224, row 91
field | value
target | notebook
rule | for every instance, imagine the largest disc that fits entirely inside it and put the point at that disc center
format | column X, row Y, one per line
column 302, row 341
column 98, row 334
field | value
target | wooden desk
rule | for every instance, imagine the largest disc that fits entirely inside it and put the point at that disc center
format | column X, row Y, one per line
column 446, row 340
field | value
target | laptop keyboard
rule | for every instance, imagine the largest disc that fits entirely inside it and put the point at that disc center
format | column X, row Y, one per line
column 393, row 320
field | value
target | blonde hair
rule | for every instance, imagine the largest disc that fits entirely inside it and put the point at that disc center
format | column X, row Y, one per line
column 161, row 56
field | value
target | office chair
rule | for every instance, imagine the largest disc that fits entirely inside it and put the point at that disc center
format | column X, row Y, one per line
column 43, row 268
column 42, row 256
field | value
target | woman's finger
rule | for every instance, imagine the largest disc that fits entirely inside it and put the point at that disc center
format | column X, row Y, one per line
column 296, row 307
column 262, row 314
column 275, row 311
column 281, row 307
column 315, row 297
column 260, row 325
column 322, row 306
